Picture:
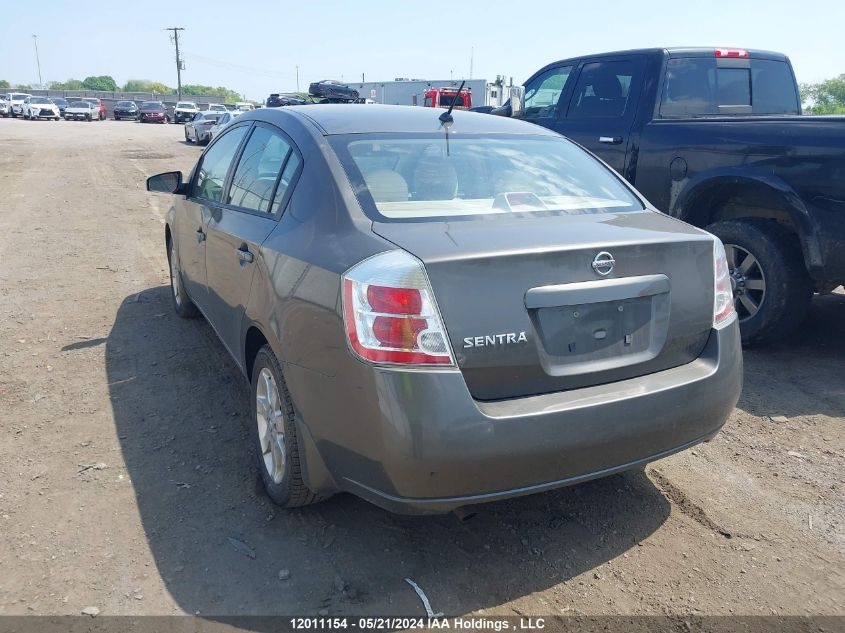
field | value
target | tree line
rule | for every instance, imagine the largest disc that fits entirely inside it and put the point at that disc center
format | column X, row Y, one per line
column 826, row 97
column 108, row 84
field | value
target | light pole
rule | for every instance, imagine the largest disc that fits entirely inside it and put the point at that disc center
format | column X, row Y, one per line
column 37, row 61
column 297, row 79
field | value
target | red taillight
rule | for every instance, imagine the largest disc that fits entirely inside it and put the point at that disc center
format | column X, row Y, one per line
column 731, row 52
column 390, row 313
column 394, row 300
column 723, row 302
column 398, row 332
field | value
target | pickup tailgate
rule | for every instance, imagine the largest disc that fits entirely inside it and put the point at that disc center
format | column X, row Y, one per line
column 527, row 313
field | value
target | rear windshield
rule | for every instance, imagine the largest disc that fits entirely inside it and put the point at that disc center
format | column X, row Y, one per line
column 698, row 87
column 419, row 178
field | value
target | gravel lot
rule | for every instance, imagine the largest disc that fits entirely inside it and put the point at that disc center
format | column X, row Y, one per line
column 127, row 481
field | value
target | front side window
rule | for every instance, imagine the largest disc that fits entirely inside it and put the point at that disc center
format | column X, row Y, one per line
column 417, row 178
column 543, row 93
column 211, row 175
column 258, row 169
column 602, row 90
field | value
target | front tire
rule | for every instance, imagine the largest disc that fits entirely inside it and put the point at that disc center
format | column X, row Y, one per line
column 275, row 439
column 182, row 303
column 772, row 290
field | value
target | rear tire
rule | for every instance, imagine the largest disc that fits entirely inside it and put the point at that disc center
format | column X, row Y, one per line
column 773, row 293
column 275, row 440
column 182, row 303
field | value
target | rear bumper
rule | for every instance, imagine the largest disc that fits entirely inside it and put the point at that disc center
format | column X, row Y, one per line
column 421, row 444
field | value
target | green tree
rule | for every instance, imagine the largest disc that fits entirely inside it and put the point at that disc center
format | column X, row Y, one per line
column 826, row 97
column 103, row 82
column 70, row 84
column 4, row 84
column 227, row 95
column 145, row 85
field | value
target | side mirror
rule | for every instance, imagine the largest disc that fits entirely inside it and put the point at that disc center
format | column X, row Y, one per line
column 517, row 101
column 168, row 182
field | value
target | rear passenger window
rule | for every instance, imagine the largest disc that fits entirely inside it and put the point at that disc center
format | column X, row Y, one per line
column 286, row 180
column 255, row 178
column 602, row 90
column 211, row 175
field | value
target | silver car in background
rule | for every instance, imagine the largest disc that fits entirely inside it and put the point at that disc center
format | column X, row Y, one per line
column 222, row 122
column 198, row 129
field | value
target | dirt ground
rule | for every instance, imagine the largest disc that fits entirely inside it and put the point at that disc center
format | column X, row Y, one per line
column 126, row 481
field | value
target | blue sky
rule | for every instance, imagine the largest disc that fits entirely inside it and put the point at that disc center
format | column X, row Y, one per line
column 254, row 47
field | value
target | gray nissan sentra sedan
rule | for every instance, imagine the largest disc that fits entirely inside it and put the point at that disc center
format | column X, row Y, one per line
column 434, row 317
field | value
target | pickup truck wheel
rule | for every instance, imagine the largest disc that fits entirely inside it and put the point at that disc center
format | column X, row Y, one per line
column 772, row 290
column 182, row 303
column 274, row 434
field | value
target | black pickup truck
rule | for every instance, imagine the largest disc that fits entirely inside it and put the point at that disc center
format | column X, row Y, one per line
column 715, row 137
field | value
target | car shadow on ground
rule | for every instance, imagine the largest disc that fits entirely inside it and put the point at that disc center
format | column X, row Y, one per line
column 219, row 543
column 802, row 374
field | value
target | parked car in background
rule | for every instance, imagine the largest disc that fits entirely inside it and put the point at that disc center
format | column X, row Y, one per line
column 222, row 122
column 277, row 100
column 331, row 89
column 81, row 111
column 16, row 100
column 198, row 129
column 244, row 106
column 40, row 108
column 716, row 137
column 61, row 103
column 456, row 320
column 216, row 107
column 100, row 106
column 5, row 107
column 125, row 110
column 184, row 111
column 152, row 112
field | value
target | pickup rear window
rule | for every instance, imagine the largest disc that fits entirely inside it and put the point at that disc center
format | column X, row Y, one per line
column 698, row 87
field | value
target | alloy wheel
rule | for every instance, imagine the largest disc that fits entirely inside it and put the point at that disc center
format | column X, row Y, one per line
column 270, row 420
column 175, row 278
column 748, row 281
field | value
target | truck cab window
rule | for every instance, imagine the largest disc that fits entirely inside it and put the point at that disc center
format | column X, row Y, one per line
column 543, row 92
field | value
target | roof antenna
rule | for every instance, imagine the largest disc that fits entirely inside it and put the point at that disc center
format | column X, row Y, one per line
column 446, row 118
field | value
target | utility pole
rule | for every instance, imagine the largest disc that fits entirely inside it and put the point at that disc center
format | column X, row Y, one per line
column 37, row 61
column 297, row 78
column 471, row 58
column 176, row 30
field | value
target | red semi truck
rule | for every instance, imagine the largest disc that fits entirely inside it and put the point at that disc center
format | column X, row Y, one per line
column 443, row 98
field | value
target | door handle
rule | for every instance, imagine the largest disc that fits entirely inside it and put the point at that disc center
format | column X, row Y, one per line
column 610, row 140
column 200, row 235
column 245, row 256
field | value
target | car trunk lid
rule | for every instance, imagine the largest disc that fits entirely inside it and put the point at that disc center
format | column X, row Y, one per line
column 528, row 313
